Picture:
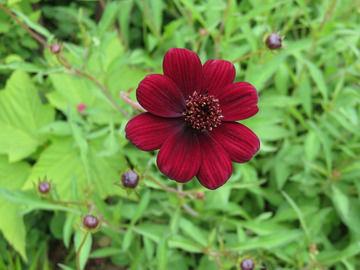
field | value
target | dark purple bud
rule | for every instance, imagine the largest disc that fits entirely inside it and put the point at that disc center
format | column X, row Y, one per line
column 90, row 222
column 55, row 48
column 44, row 187
column 130, row 179
column 247, row 264
column 273, row 41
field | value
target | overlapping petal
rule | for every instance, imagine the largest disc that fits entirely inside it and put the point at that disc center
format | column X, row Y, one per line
column 159, row 95
column 216, row 166
column 217, row 74
column 179, row 157
column 238, row 140
column 184, row 68
column 148, row 132
column 238, row 101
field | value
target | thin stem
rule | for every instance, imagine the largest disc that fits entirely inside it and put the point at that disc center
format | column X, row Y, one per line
column 221, row 29
column 134, row 104
column 67, row 202
column 166, row 188
column 248, row 55
column 31, row 32
column 79, row 249
column 102, row 88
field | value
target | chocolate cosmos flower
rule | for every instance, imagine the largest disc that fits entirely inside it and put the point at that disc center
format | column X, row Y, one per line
column 191, row 117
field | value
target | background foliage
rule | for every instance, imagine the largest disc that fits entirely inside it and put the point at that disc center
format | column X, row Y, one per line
column 294, row 206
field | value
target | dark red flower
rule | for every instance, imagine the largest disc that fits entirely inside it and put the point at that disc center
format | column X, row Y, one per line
column 191, row 116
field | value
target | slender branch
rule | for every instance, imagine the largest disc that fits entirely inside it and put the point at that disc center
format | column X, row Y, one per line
column 100, row 86
column 221, row 29
column 134, row 104
column 66, row 202
column 103, row 90
column 169, row 189
column 79, row 249
column 248, row 56
column 31, row 32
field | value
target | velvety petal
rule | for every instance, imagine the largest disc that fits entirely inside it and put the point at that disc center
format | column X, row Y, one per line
column 148, row 132
column 238, row 101
column 179, row 157
column 238, row 140
column 216, row 166
column 217, row 74
column 159, row 95
column 185, row 69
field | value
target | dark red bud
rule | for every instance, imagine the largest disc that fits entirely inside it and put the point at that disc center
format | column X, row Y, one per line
column 247, row 264
column 55, row 48
column 44, row 187
column 90, row 222
column 273, row 41
column 130, row 179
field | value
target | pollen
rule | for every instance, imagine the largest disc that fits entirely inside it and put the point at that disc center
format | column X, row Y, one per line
column 202, row 112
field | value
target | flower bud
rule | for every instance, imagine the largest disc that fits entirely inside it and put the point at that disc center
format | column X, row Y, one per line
column 247, row 264
column 90, row 222
column 130, row 179
column 200, row 195
column 203, row 32
column 81, row 107
column 273, row 41
column 55, row 48
column 44, row 187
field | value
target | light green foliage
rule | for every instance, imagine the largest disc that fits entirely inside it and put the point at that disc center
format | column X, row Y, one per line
column 294, row 206
column 12, row 177
column 21, row 115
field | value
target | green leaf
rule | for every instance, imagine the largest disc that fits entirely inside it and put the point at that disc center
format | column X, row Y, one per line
column 177, row 241
column 162, row 253
column 86, row 239
column 268, row 241
column 193, row 231
column 318, row 78
column 12, row 177
column 21, row 115
column 61, row 162
column 106, row 252
column 145, row 199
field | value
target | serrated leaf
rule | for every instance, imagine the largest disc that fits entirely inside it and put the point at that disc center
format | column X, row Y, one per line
column 21, row 115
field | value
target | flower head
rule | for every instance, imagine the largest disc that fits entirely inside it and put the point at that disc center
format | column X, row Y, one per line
column 191, row 114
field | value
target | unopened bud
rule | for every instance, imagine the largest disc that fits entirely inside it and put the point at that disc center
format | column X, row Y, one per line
column 200, row 195
column 90, row 222
column 273, row 41
column 130, row 179
column 44, row 187
column 247, row 264
column 55, row 48
column 203, row 32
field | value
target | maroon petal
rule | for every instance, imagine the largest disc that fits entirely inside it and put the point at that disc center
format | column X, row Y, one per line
column 184, row 68
column 217, row 74
column 238, row 140
column 148, row 132
column 179, row 156
column 159, row 95
column 238, row 101
column 216, row 166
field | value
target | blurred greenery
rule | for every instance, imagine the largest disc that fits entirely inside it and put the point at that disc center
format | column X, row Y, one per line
column 295, row 205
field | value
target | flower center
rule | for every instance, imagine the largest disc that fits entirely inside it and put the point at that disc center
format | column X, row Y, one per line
column 202, row 112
